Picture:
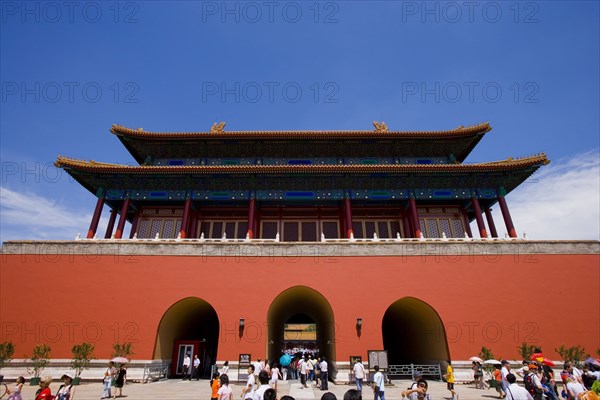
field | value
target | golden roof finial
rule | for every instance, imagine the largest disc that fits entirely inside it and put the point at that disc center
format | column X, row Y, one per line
column 217, row 128
column 380, row 126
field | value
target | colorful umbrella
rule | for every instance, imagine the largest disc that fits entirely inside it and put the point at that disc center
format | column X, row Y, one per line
column 548, row 362
column 120, row 360
column 539, row 357
column 285, row 360
column 492, row 361
column 593, row 361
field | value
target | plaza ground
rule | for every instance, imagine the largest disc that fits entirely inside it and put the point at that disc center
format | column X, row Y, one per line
column 175, row 389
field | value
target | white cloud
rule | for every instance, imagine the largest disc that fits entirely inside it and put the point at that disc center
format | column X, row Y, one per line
column 561, row 201
column 32, row 217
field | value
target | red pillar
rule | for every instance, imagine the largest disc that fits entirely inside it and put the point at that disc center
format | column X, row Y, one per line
column 185, row 219
column 478, row 217
column 122, row 219
column 490, row 221
column 251, row 221
column 507, row 219
column 136, row 222
column 342, row 220
column 467, row 223
column 193, row 225
column 95, row 218
column 348, row 215
column 111, row 224
column 412, row 204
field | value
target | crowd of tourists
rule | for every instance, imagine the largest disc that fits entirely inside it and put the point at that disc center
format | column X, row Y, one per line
column 539, row 381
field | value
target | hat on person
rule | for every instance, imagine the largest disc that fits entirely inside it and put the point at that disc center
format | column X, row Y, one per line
column 525, row 369
column 67, row 375
column 533, row 366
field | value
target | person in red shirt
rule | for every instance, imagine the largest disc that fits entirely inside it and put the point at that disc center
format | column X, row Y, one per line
column 44, row 392
column 498, row 381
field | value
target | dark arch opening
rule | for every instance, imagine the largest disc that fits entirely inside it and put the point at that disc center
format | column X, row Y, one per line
column 190, row 319
column 413, row 333
column 301, row 305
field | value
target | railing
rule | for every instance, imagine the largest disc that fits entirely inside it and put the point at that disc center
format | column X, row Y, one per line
column 410, row 369
column 155, row 371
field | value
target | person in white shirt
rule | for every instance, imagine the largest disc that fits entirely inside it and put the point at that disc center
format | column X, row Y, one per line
column 263, row 378
column 275, row 375
column 303, row 367
column 323, row 375
column 505, row 371
column 359, row 375
column 574, row 388
column 248, row 391
column 185, row 369
column 258, row 366
column 379, row 385
column 514, row 391
column 225, row 392
column 195, row 370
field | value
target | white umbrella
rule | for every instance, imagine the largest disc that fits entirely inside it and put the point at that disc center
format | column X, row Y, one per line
column 120, row 360
column 476, row 359
column 492, row 362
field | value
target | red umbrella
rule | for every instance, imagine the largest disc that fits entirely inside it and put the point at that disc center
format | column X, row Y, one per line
column 539, row 357
column 548, row 362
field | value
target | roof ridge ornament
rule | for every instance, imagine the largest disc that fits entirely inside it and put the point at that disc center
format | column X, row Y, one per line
column 380, row 126
column 218, row 128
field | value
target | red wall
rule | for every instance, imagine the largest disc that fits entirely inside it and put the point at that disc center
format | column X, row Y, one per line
column 493, row 301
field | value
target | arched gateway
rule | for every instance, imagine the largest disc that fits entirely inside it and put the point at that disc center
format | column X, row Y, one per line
column 189, row 326
column 413, row 333
column 300, row 318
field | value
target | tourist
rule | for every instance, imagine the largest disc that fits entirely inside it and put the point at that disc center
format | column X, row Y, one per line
column 323, row 375
column 311, row 368
column 275, row 376
column 215, row 385
column 450, row 380
column 328, row 396
column 270, row 394
column 195, row 370
column 514, row 391
column 44, row 392
column 359, row 374
column 418, row 391
column 121, row 378
column 477, row 375
column 15, row 394
column 505, row 371
column 263, row 378
column 303, row 368
column 248, row 391
column 225, row 368
column 352, row 394
column 185, row 368
column 498, row 381
column 225, row 392
column 524, row 369
column 533, row 383
column 548, row 383
column 109, row 375
column 258, row 366
column 378, row 384
column 66, row 391
column 574, row 388
column 287, row 397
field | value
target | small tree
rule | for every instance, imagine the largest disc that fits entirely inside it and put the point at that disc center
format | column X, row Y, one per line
column 82, row 355
column 486, row 354
column 7, row 349
column 526, row 350
column 122, row 350
column 576, row 354
column 39, row 358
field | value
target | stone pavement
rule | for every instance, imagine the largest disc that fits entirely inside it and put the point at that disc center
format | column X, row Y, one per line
column 175, row 389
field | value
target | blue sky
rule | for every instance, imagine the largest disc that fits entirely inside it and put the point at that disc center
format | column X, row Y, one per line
column 71, row 70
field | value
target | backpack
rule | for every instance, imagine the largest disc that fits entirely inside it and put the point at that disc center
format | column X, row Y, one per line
column 529, row 385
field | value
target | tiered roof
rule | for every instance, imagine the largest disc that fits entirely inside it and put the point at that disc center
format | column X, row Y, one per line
column 220, row 143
